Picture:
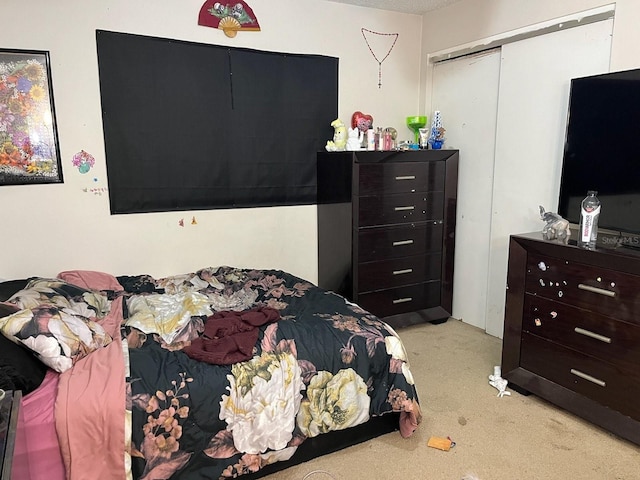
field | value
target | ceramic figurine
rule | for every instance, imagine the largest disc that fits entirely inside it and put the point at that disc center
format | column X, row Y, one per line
column 436, row 139
column 354, row 140
column 555, row 226
column 339, row 142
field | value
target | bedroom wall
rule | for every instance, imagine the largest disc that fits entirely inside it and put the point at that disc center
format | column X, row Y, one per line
column 475, row 22
column 50, row 228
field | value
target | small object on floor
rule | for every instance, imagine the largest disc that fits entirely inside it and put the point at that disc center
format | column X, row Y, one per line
column 470, row 476
column 439, row 443
column 498, row 382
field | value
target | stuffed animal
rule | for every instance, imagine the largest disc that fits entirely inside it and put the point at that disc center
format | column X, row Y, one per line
column 555, row 226
column 339, row 142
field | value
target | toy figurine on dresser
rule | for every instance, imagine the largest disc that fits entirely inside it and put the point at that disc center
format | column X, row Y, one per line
column 555, row 226
column 339, row 142
column 354, row 140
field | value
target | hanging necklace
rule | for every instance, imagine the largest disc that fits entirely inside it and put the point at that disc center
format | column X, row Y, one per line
column 395, row 39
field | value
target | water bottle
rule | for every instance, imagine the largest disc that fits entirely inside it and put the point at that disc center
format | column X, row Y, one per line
column 589, row 213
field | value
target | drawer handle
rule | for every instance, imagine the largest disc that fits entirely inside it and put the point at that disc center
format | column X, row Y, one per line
column 588, row 377
column 588, row 333
column 402, row 272
column 406, row 177
column 600, row 291
column 409, row 207
column 402, row 300
column 402, row 242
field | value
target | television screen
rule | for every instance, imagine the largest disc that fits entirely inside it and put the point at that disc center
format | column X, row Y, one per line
column 602, row 149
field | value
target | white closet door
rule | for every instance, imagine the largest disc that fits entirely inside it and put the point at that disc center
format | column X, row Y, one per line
column 465, row 90
column 506, row 113
column 532, row 111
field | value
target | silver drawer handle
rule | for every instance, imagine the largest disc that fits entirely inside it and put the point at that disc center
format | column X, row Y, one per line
column 402, row 300
column 591, row 334
column 402, row 242
column 600, row 291
column 589, row 378
column 400, row 209
column 402, row 272
column 406, row 177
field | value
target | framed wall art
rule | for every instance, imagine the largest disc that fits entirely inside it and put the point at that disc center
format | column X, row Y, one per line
column 29, row 150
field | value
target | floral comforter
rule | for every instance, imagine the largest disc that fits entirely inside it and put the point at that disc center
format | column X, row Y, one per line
column 323, row 364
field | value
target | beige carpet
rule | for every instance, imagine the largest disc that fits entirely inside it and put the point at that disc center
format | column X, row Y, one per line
column 511, row 438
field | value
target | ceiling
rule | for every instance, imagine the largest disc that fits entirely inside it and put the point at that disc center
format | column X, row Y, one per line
column 417, row 7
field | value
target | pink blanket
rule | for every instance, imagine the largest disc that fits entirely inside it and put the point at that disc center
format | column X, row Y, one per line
column 90, row 406
column 37, row 452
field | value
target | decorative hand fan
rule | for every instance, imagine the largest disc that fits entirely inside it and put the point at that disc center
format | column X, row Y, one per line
column 229, row 17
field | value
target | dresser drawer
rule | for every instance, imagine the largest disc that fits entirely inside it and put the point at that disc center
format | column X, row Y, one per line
column 400, row 241
column 384, row 303
column 401, row 177
column 600, row 381
column 600, row 290
column 610, row 340
column 400, row 208
column 399, row 271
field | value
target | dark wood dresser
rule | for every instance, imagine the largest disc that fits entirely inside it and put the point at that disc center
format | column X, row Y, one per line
column 572, row 329
column 386, row 226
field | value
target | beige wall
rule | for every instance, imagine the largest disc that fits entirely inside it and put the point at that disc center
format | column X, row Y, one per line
column 49, row 228
column 473, row 21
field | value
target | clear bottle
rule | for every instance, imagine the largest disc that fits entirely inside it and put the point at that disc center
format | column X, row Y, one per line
column 589, row 213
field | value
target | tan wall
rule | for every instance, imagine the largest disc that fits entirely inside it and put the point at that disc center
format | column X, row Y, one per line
column 472, row 21
column 49, row 228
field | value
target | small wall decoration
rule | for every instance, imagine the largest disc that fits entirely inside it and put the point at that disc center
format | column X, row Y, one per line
column 393, row 36
column 95, row 190
column 83, row 161
column 229, row 17
column 29, row 151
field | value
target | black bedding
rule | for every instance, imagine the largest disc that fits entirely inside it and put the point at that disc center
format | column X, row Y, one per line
column 325, row 365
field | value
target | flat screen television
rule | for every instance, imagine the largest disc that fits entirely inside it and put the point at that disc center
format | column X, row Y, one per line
column 602, row 151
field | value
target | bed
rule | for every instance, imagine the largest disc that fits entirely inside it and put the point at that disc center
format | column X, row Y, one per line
column 219, row 373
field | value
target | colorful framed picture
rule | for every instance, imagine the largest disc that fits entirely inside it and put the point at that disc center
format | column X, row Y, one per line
column 29, row 150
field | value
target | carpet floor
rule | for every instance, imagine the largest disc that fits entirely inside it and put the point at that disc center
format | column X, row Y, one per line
column 513, row 437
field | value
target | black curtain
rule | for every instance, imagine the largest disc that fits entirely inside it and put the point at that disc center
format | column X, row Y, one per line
column 191, row 126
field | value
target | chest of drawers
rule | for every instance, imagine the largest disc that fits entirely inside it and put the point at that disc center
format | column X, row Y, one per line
column 386, row 224
column 572, row 329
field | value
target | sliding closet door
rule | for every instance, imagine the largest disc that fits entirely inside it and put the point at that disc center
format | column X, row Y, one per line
column 532, row 111
column 532, row 84
column 465, row 90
